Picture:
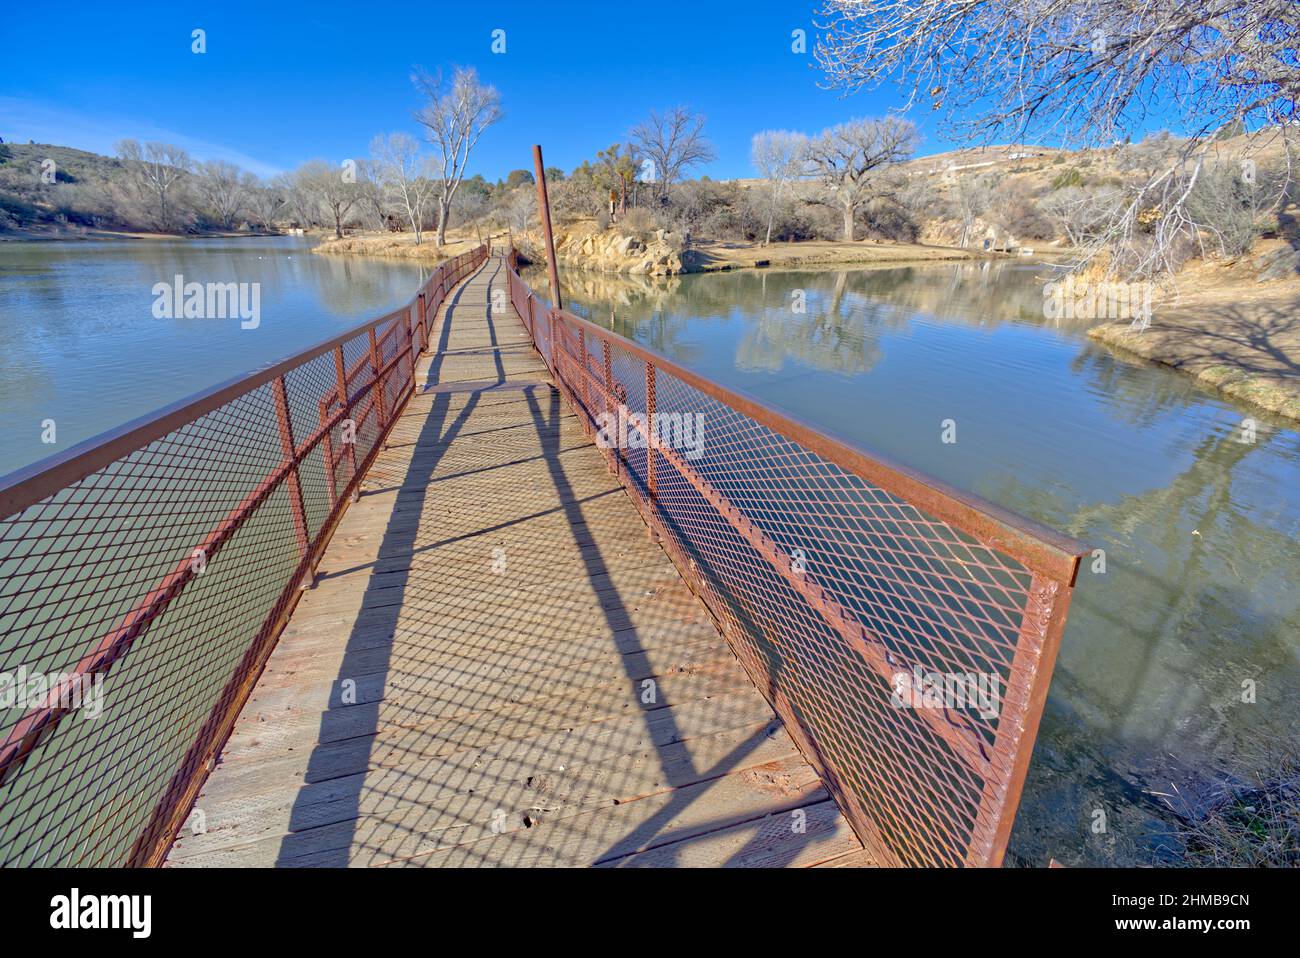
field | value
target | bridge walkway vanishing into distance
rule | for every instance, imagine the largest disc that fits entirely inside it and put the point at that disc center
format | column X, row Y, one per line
column 534, row 683
column 388, row 601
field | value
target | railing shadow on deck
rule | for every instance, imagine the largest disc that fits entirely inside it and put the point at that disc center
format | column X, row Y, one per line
column 833, row 572
column 364, row 805
column 337, row 725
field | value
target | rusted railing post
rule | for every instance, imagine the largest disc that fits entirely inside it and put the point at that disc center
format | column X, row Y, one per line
column 340, row 370
column 587, row 417
column 609, row 403
column 291, row 478
column 544, row 211
column 377, row 387
column 327, row 447
column 651, row 479
column 424, row 323
column 411, row 350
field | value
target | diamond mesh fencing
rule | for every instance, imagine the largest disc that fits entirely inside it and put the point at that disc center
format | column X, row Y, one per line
column 146, row 574
column 904, row 632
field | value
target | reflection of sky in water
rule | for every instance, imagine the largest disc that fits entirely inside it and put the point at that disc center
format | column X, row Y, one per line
column 1199, row 529
column 79, row 344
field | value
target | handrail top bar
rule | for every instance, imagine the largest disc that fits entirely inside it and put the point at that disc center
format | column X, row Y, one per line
column 30, row 484
column 1034, row 545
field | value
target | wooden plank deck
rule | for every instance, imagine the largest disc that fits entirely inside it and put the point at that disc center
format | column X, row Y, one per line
column 497, row 667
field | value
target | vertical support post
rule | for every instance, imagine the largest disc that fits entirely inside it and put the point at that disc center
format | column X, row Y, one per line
column 292, row 480
column 424, row 323
column 411, row 351
column 652, row 479
column 609, row 400
column 555, row 356
column 586, row 386
column 341, row 371
column 327, row 445
column 377, row 387
column 544, row 211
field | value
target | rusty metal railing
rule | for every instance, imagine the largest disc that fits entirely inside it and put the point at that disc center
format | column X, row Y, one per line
column 159, row 563
column 832, row 572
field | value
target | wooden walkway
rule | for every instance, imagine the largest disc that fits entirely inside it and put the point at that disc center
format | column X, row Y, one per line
column 497, row 667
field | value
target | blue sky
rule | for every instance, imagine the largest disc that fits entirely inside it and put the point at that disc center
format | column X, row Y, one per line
column 284, row 82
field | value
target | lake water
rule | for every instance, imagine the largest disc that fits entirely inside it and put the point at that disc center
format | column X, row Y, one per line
column 1199, row 528
column 79, row 343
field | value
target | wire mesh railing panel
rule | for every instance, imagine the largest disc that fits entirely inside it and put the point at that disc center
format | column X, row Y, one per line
column 144, row 577
column 905, row 632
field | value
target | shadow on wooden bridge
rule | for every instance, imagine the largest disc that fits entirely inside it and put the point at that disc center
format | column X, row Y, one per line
column 498, row 667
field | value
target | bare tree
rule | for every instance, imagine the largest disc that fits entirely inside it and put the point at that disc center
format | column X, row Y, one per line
column 521, row 208
column 155, row 170
column 1086, row 71
column 779, row 156
column 671, row 142
column 848, row 158
column 299, row 203
column 404, row 176
column 971, row 198
column 1148, row 157
column 454, row 119
column 265, row 201
column 330, row 189
column 1084, row 68
column 371, row 197
column 223, row 187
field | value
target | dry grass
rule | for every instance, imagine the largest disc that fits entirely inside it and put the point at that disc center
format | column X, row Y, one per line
column 1255, row 824
column 402, row 245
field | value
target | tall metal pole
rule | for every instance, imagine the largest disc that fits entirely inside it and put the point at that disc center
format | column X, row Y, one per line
column 544, row 211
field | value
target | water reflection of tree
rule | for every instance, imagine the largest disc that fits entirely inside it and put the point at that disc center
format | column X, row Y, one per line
column 1193, row 600
column 980, row 294
column 1127, row 391
column 837, row 331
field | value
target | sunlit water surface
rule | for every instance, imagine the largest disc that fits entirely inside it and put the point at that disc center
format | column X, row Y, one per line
column 79, row 343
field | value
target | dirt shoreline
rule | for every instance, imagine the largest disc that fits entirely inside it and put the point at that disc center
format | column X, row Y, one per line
column 1244, row 355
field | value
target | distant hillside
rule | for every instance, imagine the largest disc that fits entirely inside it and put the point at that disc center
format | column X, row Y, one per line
column 82, row 194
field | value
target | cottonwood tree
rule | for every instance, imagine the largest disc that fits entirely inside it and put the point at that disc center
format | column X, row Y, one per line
column 850, row 158
column 224, row 187
column 971, row 198
column 672, row 142
column 521, row 209
column 265, row 201
column 329, row 189
column 1087, row 72
column 299, row 202
column 404, row 177
column 370, row 195
column 156, row 170
column 780, row 157
column 454, row 118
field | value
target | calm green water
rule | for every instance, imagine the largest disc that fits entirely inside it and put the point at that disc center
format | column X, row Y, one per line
column 1199, row 529
column 79, row 343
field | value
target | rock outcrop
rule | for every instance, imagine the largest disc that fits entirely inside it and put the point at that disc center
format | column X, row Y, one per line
column 658, row 253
